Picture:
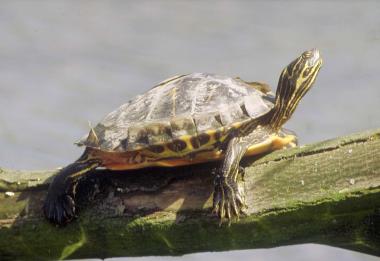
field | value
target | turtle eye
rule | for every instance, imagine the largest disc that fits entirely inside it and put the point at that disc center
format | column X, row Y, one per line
column 306, row 72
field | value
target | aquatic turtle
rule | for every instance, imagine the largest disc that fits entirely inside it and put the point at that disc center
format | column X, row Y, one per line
column 191, row 119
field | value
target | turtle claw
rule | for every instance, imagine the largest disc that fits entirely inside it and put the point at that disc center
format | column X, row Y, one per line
column 228, row 198
column 59, row 209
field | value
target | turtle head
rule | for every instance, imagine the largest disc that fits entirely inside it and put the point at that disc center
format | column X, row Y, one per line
column 295, row 80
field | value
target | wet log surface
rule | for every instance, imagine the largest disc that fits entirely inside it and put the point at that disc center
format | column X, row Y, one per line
column 327, row 193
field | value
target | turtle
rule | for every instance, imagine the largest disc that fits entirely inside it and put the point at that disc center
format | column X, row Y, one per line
column 191, row 119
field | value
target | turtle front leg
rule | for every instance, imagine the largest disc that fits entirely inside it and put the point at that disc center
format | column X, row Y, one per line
column 229, row 194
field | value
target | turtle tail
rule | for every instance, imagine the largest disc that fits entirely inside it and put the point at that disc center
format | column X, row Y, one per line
column 59, row 206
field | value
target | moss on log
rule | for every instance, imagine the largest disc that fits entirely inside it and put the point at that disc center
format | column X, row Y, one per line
column 327, row 193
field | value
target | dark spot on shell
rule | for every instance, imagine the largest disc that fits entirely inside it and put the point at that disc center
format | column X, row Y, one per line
column 177, row 145
column 137, row 137
column 158, row 132
column 124, row 143
column 203, row 138
column 244, row 110
column 181, row 126
column 218, row 119
column 218, row 135
column 142, row 138
column 194, row 142
column 156, row 148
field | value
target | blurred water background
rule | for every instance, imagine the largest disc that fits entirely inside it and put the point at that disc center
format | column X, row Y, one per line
column 64, row 63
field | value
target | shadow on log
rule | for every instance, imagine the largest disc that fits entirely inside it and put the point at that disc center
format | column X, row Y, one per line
column 327, row 193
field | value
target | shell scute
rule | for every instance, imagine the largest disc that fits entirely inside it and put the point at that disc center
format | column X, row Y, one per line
column 137, row 137
column 181, row 126
column 233, row 114
column 255, row 106
column 159, row 132
column 184, row 106
column 206, row 122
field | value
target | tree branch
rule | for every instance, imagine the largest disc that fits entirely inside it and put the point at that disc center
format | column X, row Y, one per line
column 327, row 193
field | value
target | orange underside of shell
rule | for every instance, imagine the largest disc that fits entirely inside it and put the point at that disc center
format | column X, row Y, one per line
column 143, row 158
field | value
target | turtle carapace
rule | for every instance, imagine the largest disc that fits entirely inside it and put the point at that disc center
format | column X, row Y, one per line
column 191, row 119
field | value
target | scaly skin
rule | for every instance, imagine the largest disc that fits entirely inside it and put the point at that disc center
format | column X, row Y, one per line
column 252, row 137
column 295, row 80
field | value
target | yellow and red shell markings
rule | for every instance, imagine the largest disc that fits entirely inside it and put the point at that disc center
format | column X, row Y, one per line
column 166, row 157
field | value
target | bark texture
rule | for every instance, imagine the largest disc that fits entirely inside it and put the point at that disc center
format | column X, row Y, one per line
column 327, row 193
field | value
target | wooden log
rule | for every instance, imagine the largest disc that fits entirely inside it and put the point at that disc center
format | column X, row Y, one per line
column 327, row 193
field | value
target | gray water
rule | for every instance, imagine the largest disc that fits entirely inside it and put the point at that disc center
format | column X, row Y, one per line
column 63, row 64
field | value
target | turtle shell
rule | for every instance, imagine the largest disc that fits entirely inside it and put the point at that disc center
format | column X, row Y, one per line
column 184, row 106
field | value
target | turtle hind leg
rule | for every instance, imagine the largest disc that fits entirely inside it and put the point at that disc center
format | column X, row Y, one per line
column 59, row 206
column 229, row 194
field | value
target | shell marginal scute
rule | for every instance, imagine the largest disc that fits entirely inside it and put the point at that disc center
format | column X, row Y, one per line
column 180, row 113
